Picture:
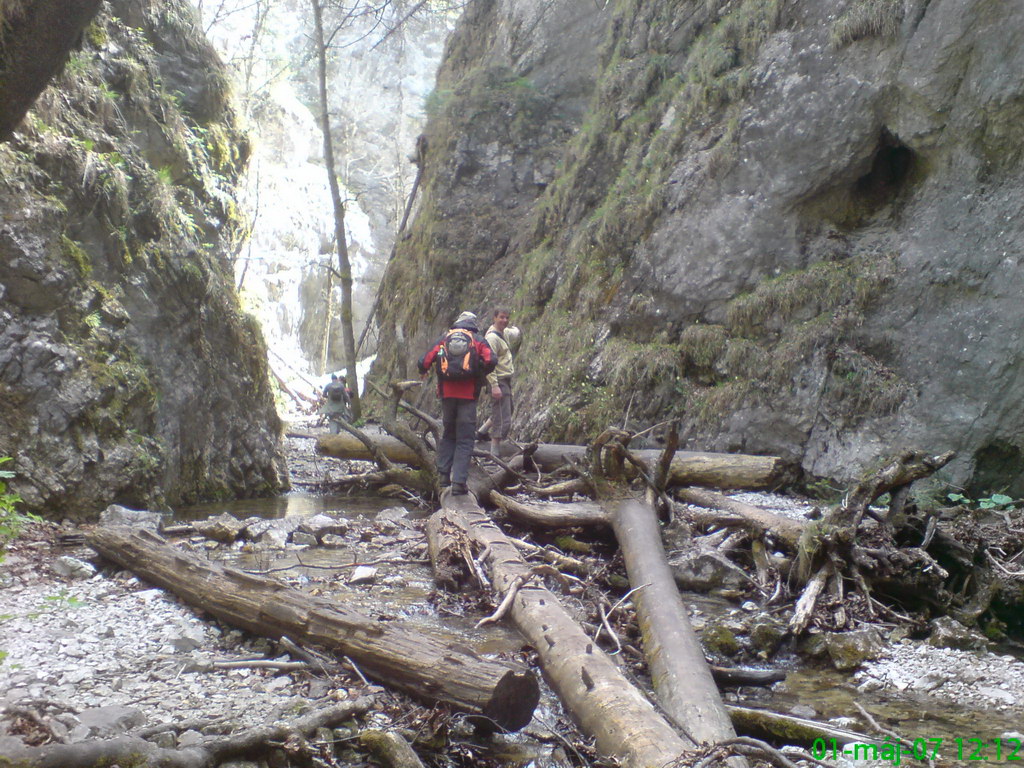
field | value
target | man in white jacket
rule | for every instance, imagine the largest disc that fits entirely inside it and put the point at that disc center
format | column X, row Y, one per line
column 504, row 341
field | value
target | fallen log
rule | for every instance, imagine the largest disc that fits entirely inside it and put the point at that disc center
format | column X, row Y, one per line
column 548, row 514
column 373, row 444
column 764, row 724
column 712, row 470
column 760, row 521
column 681, row 676
column 301, row 434
column 746, row 676
column 897, row 474
column 299, row 398
column 210, row 751
column 425, row 666
column 346, row 446
column 448, row 548
column 604, row 704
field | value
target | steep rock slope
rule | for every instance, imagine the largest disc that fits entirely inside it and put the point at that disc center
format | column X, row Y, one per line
column 127, row 372
column 795, row 225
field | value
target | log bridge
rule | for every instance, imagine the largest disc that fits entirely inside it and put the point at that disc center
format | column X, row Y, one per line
column 498, row 694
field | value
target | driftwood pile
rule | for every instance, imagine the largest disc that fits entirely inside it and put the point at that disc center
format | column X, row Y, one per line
column 840, row 571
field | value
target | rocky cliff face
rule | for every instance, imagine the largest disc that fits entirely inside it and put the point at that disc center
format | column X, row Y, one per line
column 127, row 372
column 796, row 225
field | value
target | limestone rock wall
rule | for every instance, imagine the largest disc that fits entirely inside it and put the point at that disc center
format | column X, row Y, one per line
column 795, row 226
column 127, row 371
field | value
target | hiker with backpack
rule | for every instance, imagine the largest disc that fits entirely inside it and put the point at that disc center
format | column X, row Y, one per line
column 337, row 403
column 462, row 359
column 503, row 339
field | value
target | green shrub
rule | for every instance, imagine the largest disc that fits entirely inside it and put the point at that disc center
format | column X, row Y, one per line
column 11, row 520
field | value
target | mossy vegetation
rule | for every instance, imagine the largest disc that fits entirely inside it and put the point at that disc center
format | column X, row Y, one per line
column 484, row 92
column 779, row 301
column 140, row 183
column 445, row 251
column 181, row 190
column 791, row 322
column 801, row 320
column 701, row 347
column 865, row 386
column 867, row 18
column 998, row 138
column 610, row 191
column 76, row 254
column 96, row 34
column 636, row 366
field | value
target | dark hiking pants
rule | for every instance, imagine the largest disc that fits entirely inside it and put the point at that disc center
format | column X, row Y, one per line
column 456, row 449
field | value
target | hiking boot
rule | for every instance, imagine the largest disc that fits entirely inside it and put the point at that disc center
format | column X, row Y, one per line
column 444, row 481
column 482, row 435
column 459, row 489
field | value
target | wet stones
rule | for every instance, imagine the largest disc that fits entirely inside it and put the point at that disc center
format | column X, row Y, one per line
column 110, row 720
column 704, row 571
column 115, row 514
column 719, row 640
column 319, row 526
column 363, row 574
column 966, row 678
column 224, row 528
column 766, row 636
column 117, row 645
column 850, row 649
column 275, row 532
column 947, row 632
column 73, row 568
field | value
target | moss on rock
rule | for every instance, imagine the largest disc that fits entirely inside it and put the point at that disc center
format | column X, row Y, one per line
column 126, row 181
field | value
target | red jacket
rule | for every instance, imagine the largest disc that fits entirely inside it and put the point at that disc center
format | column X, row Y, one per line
column 467, row 389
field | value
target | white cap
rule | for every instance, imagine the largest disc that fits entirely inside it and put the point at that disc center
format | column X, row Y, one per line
column 466, row 316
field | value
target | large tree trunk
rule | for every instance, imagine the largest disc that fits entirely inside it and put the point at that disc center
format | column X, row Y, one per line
column 549, row 514
column 346, row 446
column 682, row 679
column 422, row 665
column 712, row 470
column 606, row 706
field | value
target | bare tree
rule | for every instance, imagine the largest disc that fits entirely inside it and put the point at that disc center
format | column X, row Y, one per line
column 344, row 270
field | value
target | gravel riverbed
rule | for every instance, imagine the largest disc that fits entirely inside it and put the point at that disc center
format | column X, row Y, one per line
column 99, row 653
